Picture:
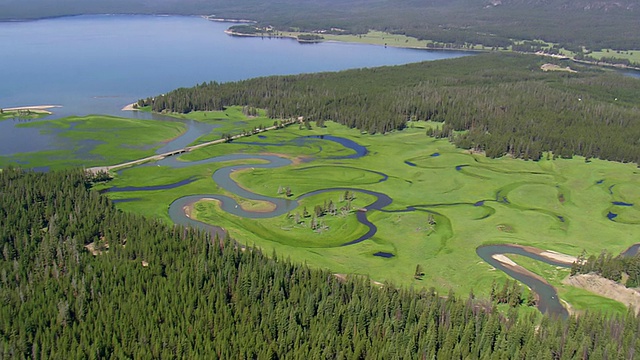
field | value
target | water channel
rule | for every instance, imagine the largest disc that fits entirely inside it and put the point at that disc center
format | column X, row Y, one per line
column 548, row 299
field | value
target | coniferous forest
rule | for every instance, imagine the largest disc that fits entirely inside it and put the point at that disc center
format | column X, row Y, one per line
column 148, row 289
column 493, row 103
column 573, row 24
column 610, row 267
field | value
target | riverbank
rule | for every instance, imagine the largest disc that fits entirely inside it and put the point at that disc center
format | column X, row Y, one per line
column 547, row 254
column 546, row 294
column 606, row 288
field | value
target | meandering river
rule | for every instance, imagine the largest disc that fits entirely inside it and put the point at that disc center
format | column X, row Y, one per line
column 98, row 64
column 548, row 299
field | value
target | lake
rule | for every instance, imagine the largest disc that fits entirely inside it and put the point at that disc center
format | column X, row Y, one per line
column 92, row 63
column 97, row 64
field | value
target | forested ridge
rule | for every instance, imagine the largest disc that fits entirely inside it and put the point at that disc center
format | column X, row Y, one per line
column 503, row 104
column 494, row 23
column 624, row 269
column 155, row 290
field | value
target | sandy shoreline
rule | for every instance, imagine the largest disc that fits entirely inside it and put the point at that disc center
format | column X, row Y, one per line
column 507, row 262
column 33, row 107
column 42, row 109
column 130, row 107
column 564, row 258
column 548, row 254
column 504, row 259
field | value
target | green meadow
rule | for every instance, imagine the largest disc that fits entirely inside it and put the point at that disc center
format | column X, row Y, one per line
column 374, row 37
column 446, row 201
column 461, row 200
column 231, row 120
column 631, row 55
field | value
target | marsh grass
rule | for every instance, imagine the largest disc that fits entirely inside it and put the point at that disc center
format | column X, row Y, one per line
column 98, row 140
column 559, row 205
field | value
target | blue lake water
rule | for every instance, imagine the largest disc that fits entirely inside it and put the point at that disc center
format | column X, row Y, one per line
column 96, row 64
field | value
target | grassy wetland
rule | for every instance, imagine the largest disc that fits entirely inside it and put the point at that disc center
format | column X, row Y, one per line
column 446, row 203
column 388, row 200
column 96, row 139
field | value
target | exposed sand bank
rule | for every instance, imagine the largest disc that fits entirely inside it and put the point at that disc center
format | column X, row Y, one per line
column 130, row 107
column 549, row 254
column 34, row 107
column 507, row 262
column 606, row 288
column 553, row 67
column 564, row 258
column 504, row 259
column 41, row 109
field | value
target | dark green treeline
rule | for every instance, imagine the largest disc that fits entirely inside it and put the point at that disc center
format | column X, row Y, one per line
column 622, row 269
column 164, row 291
column 572, row 23
column 505, row 104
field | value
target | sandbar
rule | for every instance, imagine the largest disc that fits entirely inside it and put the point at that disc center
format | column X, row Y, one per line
column 43, row 109
column 504, row 259
column 130, row 107
column 564, row 258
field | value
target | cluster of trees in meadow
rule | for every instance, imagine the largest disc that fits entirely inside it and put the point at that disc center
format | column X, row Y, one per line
column 320, row 211
column 511, row 293
column 611, row 267
column 157, row 290
column 494, row 103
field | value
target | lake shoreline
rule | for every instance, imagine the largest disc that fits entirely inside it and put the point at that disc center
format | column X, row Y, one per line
column 294, row 37
column 98, row 85
column 248, row 21
column 130, row 107
column 441, row 48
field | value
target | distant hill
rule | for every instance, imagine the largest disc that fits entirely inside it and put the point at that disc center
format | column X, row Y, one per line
column 587, row 5
column 572, row 23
